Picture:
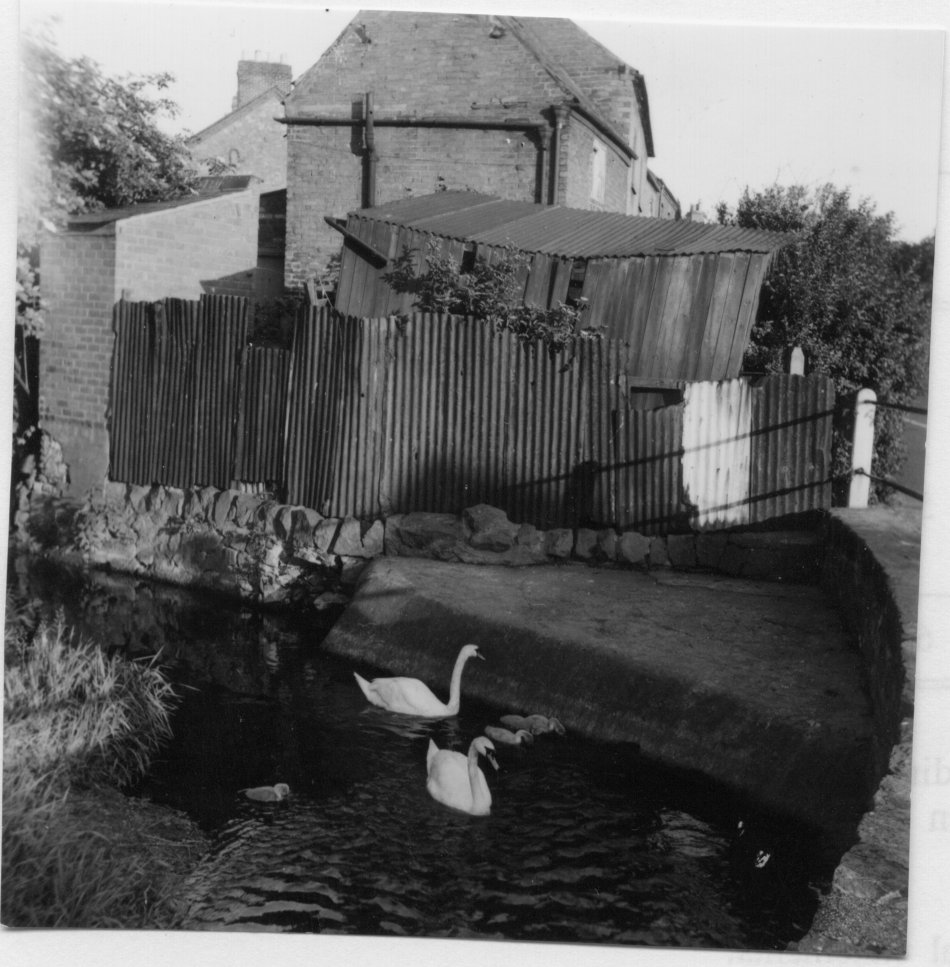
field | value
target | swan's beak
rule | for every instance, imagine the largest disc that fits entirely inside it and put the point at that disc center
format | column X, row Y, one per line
column 491, row 758
column 478, row 654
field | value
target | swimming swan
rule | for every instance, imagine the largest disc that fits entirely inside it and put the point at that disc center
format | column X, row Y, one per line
column 268, row 793
column 535, row 724
column 409, row 696
column 456, row 781
column 504, row 737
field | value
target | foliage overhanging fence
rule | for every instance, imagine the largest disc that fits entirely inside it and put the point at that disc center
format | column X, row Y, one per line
column 364, row 417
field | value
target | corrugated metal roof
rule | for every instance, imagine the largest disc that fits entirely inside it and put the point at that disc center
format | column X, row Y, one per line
column 146, row 208
column 566, row 232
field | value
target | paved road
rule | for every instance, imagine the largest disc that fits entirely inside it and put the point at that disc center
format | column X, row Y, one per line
column 915, row 432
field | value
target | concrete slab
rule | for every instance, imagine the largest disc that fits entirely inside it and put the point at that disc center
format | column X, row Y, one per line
column 754, row 684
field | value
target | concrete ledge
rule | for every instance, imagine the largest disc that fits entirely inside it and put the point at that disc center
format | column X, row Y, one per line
column 742, row 682
column 872, row 566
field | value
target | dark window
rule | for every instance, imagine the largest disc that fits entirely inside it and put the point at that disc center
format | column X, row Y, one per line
column 576, row 286
column 468, row 259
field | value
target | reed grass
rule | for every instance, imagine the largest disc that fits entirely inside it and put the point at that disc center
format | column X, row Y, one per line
column 78, row 724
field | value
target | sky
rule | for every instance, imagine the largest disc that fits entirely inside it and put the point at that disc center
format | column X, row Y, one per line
column 730, row 106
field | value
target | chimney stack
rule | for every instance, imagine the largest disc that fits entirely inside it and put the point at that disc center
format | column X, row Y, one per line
column 256, row 76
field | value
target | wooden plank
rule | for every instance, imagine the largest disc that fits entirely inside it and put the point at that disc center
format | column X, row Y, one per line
column 596, row 291
column 719, row 367
column 639, row 317
column 748, row 307
column 725, row 269
column 699, row 314
column 671, row 346
column 656, row 316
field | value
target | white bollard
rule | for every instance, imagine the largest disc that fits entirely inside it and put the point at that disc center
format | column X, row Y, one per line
column 797, row 363
column 862, row 448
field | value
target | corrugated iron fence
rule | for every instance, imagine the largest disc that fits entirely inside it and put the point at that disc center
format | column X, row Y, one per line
column 370, row 416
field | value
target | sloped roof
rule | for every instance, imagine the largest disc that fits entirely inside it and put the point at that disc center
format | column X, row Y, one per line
column 531, row 37
column 273, row 93
column 564, row 232
column 105, row 215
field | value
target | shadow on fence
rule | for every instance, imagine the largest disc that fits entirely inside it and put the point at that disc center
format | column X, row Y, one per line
column 363, row 417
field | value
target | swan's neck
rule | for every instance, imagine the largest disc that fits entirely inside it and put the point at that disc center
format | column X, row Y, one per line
column 480, row 800
column 455, row 686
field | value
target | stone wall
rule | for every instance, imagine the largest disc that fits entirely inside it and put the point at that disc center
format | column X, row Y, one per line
column 266, row 552
column 871, row 568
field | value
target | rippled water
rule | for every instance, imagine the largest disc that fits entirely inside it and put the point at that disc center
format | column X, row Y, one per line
column 586, row 842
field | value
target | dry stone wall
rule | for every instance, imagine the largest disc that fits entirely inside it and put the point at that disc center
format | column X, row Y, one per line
column 266, row 552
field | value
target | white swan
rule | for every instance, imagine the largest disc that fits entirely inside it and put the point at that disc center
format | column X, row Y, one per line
column 535, row 724
column 268, row 793
column 456, row 781
column 409, row 696
column 504, row 737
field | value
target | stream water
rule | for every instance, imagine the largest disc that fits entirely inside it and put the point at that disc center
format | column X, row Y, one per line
column 586, row 841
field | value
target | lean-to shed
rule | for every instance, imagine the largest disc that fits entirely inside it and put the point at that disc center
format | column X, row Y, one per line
column 681, row 295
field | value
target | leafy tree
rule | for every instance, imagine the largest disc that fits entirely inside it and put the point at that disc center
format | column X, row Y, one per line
column 855, row 300
column 488, row 291
column 88, row 141
column 96, row 139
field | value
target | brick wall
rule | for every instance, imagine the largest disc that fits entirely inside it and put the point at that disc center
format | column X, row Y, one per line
column 414, row 65
column 328, row 177
column 78, row 279
column 576, row 164
column 256, row 76
column 208, row 246
column 251, row 140
column 449, row 65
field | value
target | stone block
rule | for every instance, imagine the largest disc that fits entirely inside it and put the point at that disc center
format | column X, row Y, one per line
column 138, row 498
column 283, row 522
column 222, row 508
column 422, row 534
column 174, row 501
column 633, row 548
column 305, row 519
column 245, row 508
column 192, row 503
column 606, row 547
column 206, row 499
column 114, row 492
column 530, row 538
column 681, row 549
column 324, row 533
column 709, row 549
column 489, row 528
column 349, row 539
column 374, row 539
column 330, row 599
column 584, row 543
column 559, row 542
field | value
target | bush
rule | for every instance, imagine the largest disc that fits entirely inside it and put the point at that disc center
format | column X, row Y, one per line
column 856, row 301
column 490, row 291
column 75, row 721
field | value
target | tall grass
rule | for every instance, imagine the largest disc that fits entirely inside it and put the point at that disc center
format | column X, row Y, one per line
column 75, row 720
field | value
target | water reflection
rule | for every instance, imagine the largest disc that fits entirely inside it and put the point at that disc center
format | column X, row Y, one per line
column 585, row 842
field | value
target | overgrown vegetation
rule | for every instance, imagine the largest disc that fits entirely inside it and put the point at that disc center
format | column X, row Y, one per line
column 490, row 291
column 78, row 724
column 854, row 298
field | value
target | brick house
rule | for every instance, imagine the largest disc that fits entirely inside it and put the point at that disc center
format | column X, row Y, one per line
column 249, row 138
column 404, row 104
column 210, row 243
